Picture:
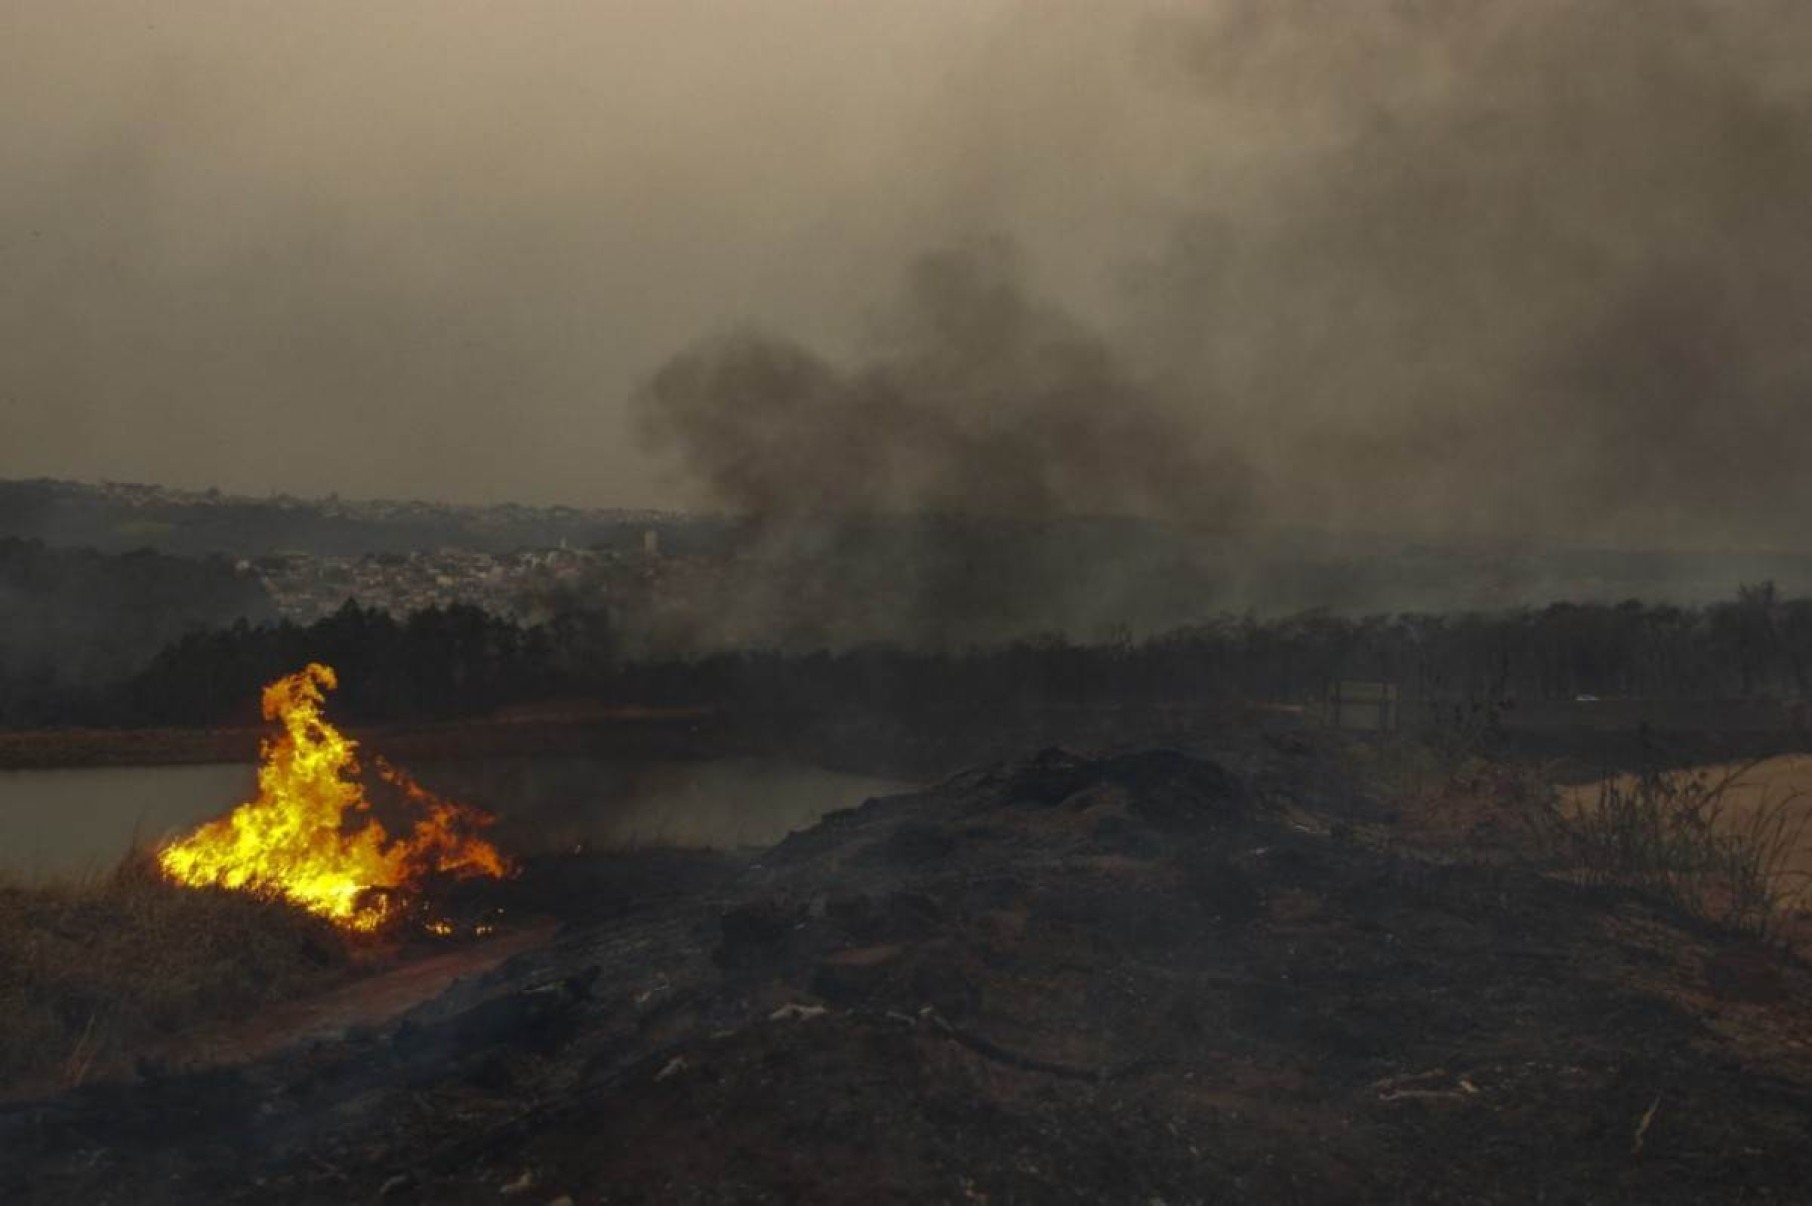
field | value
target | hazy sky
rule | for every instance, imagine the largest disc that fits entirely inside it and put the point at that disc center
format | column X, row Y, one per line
column 1527, row 266
column 428, row 248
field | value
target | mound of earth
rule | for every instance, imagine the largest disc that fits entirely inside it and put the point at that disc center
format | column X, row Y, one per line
column 1132, row 978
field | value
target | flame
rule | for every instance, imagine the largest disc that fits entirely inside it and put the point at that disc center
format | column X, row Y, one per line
column 292, row 841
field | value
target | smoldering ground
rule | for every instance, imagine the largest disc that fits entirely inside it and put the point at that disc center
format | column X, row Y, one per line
column 1458, row 269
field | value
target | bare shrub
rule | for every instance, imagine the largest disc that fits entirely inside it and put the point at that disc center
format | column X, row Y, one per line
column 1671, row 835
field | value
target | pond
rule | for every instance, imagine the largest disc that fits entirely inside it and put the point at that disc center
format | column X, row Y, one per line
column 58, row 823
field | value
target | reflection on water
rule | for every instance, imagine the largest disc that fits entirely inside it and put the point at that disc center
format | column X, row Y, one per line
column 74, row 822
column 63, row 822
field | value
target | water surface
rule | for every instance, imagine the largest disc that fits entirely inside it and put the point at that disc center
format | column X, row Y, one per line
column 74, row 822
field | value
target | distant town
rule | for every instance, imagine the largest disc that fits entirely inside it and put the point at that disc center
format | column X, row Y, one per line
column 672, row 580
column 530, row 586
column 501, row 515
column 652, row 572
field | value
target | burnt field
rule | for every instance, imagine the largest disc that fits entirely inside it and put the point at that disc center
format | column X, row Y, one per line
column 1242, row 965
column 1194, row 601
column 1160, row 928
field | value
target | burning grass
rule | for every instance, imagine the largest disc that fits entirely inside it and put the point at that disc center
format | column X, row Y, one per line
column 95, row 972
column 309, row 836
column 247, row 909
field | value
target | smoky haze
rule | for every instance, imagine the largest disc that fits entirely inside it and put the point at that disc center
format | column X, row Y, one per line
column 427, row 248
column 978, row 402
column 1509, row 265
column 1508, row 269
column 1524, row 268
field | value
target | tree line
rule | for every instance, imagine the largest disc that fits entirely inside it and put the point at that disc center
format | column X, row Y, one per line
column 461, row 661
column 75, row 624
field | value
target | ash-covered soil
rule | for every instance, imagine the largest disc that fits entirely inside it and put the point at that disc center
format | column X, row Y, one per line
column 1144, row 977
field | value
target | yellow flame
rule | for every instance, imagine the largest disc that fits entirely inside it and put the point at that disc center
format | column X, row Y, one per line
column 292, row 841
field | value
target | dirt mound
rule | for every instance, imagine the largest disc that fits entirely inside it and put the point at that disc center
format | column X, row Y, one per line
column 1124, row 978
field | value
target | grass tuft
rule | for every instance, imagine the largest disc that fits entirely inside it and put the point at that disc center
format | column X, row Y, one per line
column 1671, row 836
column 95, row 971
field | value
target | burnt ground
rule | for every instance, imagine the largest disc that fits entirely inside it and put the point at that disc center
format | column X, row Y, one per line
column 1137, row 977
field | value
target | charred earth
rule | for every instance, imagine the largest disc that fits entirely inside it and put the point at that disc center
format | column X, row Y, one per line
column 1130, row 977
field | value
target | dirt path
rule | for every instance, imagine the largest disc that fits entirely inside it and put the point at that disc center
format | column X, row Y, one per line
column 371, row 1001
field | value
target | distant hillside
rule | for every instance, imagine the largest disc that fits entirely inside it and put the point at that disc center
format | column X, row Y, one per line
column 118, row 517
column 841, row 580
column 74, row 621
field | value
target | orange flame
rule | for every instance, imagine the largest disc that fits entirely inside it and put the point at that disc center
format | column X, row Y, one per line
column 291, row 840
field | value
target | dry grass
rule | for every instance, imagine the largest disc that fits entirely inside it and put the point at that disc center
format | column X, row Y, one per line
column 1690, row 839
column 93, row 972
column 1731, row 844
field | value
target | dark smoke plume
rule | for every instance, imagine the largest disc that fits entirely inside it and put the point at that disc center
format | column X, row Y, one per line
column 1506, row 268
column 1533, row 268
column 907, row 497
column 977, row 402
column 1528, row 271
column 1521, row 270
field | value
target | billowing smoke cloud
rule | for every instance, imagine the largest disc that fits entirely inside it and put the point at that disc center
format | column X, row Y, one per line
column 977, row 401
column 1458, row 267
column 907, row 496
column 1526, row 270
column 1449, row 267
